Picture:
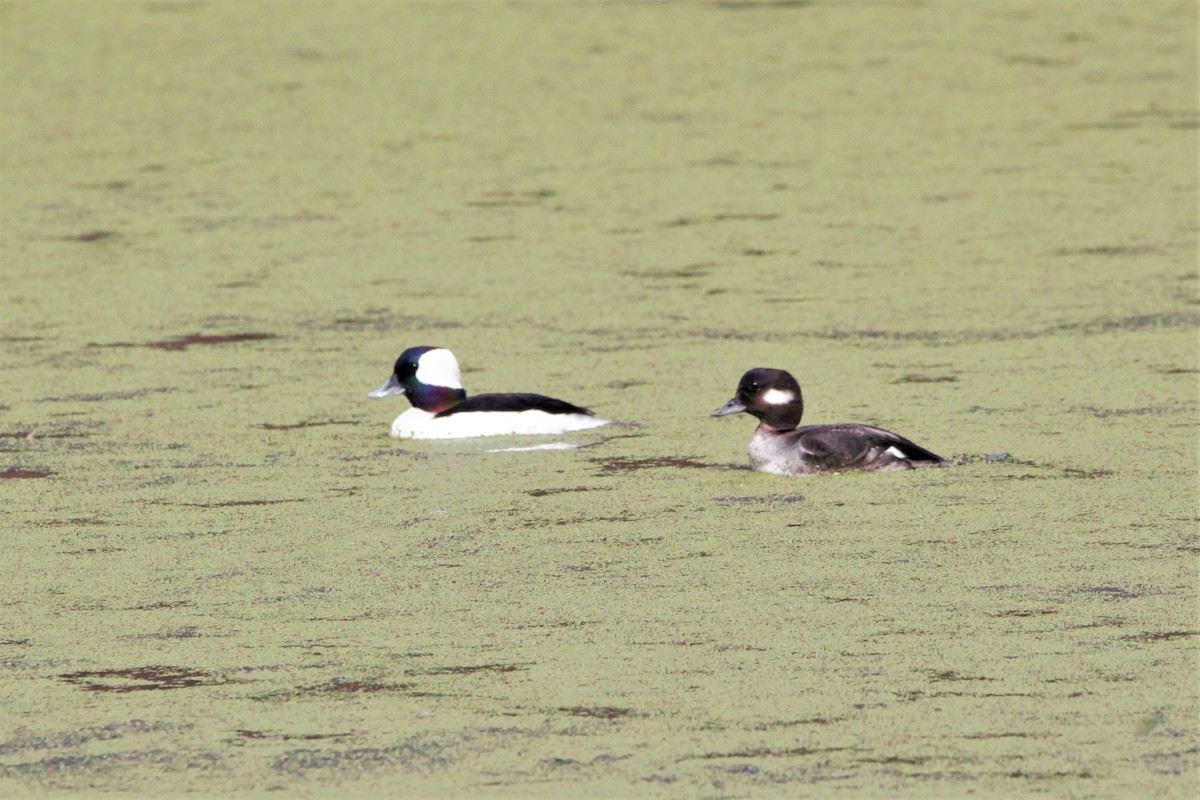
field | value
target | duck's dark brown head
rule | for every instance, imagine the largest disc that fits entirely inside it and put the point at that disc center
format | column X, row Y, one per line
column 771, row 395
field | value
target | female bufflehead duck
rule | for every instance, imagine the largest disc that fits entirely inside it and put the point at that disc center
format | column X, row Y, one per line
column 430, row 378
column 782, row 446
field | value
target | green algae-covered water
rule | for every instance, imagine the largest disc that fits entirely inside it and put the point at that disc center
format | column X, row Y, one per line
column 975, row 224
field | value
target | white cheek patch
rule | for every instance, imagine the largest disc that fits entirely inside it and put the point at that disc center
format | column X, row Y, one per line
column 439, row 368
column 777, row 397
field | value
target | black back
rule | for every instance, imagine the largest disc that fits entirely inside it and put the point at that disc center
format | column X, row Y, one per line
column 523, row 401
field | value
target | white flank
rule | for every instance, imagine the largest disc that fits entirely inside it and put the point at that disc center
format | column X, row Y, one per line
column 418, row 424
column 778, row 397
column 439, row 368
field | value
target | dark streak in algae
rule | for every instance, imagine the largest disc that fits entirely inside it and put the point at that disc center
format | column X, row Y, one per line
column 34, row 435
column 470, row 670
column 17, row 474
column 91, row 236
column 761, row 752
column 183, row 342
column 619, row 463
column 601, row 712
column 269, row 426
column 358, row 686
column 232, row 503
column 1161, row 636
column 546, row 492
column 151, row 678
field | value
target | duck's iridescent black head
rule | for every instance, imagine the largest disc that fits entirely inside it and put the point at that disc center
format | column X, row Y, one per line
column 428, row 376
column 771, row 395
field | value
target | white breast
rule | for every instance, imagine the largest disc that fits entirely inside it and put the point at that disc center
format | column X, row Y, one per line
column 776, row 455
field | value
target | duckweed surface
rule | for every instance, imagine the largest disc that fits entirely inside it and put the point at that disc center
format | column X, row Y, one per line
column 974, row 224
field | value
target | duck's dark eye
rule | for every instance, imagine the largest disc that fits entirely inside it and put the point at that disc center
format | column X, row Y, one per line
column 752, row 388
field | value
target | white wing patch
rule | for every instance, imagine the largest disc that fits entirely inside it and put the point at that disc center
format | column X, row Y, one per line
column 778, row 397
column 896, row 451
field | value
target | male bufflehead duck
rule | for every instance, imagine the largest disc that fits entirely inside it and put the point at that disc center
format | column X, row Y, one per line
column 781, row 446
column 430, row 378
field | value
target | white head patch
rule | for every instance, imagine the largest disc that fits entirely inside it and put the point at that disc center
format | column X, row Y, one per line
column 778, row 397
column 439, row 368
